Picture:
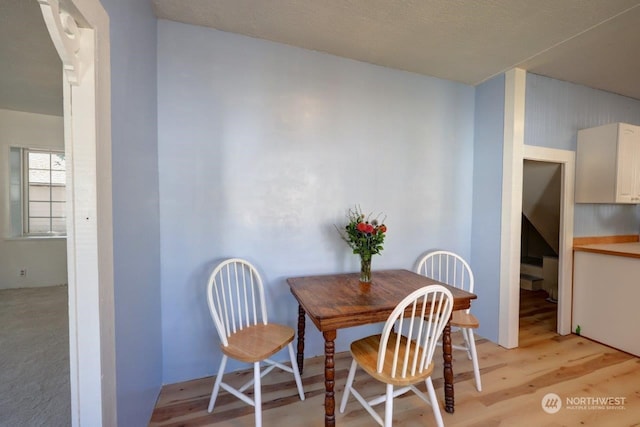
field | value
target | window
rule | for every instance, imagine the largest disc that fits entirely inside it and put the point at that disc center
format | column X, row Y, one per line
column 38, row 192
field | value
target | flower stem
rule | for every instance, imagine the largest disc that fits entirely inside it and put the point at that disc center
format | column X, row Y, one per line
column 365, row 270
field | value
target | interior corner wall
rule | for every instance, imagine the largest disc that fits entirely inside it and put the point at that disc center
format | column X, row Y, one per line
column 136, row 231
column 555, row 111
column 44, row 259
column 487, row 203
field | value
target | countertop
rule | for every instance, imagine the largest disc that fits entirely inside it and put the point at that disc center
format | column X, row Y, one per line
column 631, row 250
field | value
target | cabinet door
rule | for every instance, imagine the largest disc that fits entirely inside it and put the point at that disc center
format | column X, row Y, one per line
column 628, row 173
column 605, row 299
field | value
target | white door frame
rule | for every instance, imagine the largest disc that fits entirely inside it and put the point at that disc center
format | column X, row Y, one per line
column 514, row 154
column 87, row 131
column 567, row 160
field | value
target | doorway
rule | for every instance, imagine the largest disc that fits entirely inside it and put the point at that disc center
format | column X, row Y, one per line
column 34, row 339
column 81, row 37
column 539, row 247
column 565, row 161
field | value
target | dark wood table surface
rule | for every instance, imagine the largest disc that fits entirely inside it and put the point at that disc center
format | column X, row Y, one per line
column 338, row 301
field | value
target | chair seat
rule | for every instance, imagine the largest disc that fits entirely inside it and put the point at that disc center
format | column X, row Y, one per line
column 258, row 342
column 365, row 352
column 462, row 319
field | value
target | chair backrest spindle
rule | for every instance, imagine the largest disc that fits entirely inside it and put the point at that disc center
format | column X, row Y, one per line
column 235, row 297
column 417, row 323
column 447, row 267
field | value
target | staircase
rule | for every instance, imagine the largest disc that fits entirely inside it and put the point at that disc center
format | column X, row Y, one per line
column 540, row 227
column 531, row 274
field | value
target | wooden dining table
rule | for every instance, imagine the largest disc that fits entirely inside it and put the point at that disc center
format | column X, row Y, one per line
column 337, row 301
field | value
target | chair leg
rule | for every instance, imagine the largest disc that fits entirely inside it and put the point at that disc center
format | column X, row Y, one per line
column 388, row 407
column 474, row 359
column 296, row 371
column 257, row 393
column 216, row 384
column 347, row 387
column 465, row 334
column 435, row 405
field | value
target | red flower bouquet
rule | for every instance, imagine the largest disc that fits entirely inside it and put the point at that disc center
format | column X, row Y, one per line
column 365, row 236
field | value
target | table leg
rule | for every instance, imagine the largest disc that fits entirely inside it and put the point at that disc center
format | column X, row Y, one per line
column 329, row 378
column 300, row 355
column 448, row 369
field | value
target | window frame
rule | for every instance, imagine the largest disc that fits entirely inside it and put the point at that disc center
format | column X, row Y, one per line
column 21, row 221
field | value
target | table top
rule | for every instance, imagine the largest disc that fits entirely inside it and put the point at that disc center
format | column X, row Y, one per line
column 335, row 301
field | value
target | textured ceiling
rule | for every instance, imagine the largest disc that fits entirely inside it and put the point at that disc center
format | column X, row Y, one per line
column 589, row 42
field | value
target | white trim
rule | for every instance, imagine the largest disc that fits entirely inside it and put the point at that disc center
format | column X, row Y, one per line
column 565, row 252
column 87, row 130
column 30, row 238
column 514, row 105
column 65, row 34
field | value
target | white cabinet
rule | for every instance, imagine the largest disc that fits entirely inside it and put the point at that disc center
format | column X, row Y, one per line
column 608, row 164
column 605, row 298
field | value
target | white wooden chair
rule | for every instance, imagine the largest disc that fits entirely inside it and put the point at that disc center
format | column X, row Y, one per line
column 450, row 268
column 402, row 355
column 236, row 301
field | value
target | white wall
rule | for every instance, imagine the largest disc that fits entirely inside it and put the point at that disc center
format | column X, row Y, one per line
column 262, row 149
column 45, row 259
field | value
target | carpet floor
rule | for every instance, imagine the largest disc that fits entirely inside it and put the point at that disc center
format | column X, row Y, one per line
column 34, row 357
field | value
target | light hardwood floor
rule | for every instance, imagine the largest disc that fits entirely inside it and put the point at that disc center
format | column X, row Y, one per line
column 514, row 383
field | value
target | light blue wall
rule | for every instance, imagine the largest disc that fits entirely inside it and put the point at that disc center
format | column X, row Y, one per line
column 555, row 111
column 487, row 203
column 136, row 230
column 262, row 149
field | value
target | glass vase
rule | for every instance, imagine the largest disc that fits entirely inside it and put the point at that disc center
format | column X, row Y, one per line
column 365, row 270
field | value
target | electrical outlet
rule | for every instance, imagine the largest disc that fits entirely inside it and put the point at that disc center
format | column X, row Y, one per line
column 23, row 272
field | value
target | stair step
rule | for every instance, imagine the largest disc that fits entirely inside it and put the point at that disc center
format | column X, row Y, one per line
column 530, row 282
column 532, row 270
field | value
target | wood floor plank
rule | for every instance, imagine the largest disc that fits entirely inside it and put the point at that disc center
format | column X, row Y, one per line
column 514, row 384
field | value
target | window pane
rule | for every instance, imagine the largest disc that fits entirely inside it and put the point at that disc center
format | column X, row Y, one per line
column 39, row 176
column 59, row 225
column 16, row 190
column 39, row 193
column 58, row 162
column 58, row 177
column 14, row 193
column 58, row 209
column 58, row 193
column 39, row 160
column 40, row 209
column 38, row 225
